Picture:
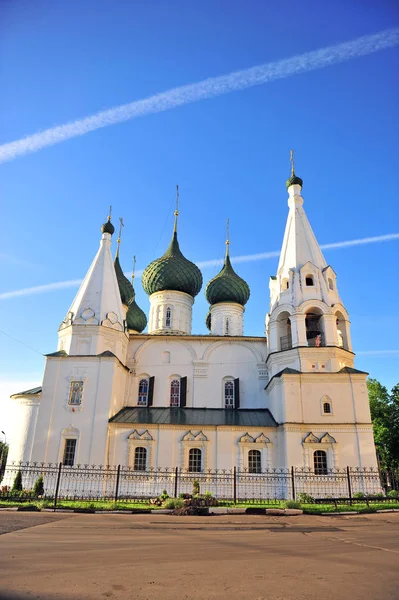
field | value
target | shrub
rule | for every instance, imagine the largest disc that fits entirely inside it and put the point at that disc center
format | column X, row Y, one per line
column 196, row 487
column 17, row 485
column 208, row 494
column 380, row 495
column 305, row 498
column 38, row 488
column 359, row 495
column 184, row 496
column 173, row 503
column 393, row 494
column 292, row 504
column 164, row 496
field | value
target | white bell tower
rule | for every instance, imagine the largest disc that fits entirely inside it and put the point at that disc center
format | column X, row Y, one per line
column 314, row 391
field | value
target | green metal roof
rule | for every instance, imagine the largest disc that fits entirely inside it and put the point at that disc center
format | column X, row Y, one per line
column 195, row 417
column 227, row 286
column 125, row 287
column 33, row 392
column 136, row 319
column 108, row 227
column 172, row 272
column 294, row 180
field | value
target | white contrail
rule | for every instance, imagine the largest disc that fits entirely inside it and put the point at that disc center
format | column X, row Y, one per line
column 209, row 88
column 49, row 287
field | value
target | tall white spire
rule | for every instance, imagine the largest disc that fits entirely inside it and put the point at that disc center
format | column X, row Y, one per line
column 98, row 301
column 299, row 244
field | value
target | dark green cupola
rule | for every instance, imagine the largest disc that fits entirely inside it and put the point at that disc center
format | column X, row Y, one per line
column 125, row 287
column 107, row 227
column 293, row 180
column 227, row 286
column 136, row 319
column 173, row 271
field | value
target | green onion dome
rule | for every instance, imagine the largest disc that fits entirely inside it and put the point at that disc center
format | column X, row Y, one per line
column 227, row 286
column 125, row 287
column 294, row 180
column 108, row 227
column 136, row 318
column 208, row 320
column 172, row 272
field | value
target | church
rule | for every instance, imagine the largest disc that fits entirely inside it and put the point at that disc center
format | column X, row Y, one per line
column 113, row 394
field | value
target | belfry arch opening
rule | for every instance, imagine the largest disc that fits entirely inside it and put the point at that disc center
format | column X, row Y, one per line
column 284, row 330
column 342, row 330
column 314, row 327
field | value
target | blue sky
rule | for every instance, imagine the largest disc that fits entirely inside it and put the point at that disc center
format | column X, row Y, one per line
column 230, row 154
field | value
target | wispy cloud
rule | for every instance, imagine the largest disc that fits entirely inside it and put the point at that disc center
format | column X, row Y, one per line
column 9, row 259
column 209, row 88
column 50, row 287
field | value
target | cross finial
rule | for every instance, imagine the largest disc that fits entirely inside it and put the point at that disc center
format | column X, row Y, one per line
column 292, row 163
column 227, row 236
column 176, row 213
column 134, row 267
column 110, row 212
column 121, row 224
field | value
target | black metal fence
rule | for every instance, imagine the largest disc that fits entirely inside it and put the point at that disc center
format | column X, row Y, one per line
column 119, row 483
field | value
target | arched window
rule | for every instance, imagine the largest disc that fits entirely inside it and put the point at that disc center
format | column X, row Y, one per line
column 285, row 284
column 168, row 318
column 320, row 462
column 229, row 394
column 309, row 280
column 330, row 283
column 326, row 408
column 143, row 393
column 195, row 460
column 227, row 326
column 175, row 392
column 254, row 461
column 140, row 459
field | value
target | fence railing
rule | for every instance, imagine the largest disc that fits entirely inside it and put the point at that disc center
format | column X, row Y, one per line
column 119, row 483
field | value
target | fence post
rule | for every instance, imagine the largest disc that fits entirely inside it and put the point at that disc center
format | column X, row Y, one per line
column 235, row 484
column 293, row 482
column 176, row 480
column 57, row 486
column 348, row 474
column 118, row 474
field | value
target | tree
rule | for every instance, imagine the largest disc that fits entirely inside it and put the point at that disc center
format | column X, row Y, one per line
column 17, row 485
column 3, row 458
column 384, row 408
column 38, row 488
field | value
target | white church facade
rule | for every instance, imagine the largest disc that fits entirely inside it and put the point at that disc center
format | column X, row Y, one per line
column 112, row 394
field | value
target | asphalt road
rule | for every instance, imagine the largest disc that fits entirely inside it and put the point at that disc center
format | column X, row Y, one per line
column 147, row 557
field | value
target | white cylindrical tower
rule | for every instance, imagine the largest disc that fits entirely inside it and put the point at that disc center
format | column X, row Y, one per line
column 227, row 318
column 26, row 410
column 170, row 312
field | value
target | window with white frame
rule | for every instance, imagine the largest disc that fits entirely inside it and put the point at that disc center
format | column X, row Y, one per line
column 75, row 393
column 175, row 392
column 195, row 460
column 140, row 458
column 168, row 317
column 320, row 462
column 142, row 398
column 254, row 461
column 229, row 394
column 69, row 452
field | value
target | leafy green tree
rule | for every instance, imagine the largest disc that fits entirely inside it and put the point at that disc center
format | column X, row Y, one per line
column 38, row 488
column 17, row 485
column 384, row 408
column 3, row 458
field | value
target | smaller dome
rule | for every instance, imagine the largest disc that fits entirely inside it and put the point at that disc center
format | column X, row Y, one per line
column 227, row 286
column 136, row 318
column 108, row 227
column 125, row 287
column 294, row 180
column 208, row 320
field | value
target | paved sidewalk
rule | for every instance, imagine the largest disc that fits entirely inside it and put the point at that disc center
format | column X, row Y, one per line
column 147, row 557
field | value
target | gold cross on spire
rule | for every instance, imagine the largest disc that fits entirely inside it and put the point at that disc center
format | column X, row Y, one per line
column 176, row 213
column 292, row 163
column 119, row 236
column 227, row 236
